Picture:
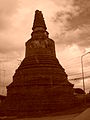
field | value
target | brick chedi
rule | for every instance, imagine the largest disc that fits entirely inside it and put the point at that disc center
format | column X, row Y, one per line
column 40, row 83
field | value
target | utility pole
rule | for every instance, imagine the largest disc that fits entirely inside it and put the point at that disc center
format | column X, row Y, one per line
column 83, row 69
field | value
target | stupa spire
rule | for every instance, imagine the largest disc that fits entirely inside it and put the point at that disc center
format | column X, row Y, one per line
column 39, row 21
column 38, row 79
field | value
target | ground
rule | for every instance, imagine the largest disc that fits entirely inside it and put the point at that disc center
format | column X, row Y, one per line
column 78, row 113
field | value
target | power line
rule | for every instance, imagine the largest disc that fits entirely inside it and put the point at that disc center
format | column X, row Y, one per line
column 79, row 78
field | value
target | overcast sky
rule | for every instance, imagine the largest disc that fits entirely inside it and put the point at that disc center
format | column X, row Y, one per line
column 68, row 23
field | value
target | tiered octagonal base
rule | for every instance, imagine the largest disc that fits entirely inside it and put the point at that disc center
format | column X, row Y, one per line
column 40, row 86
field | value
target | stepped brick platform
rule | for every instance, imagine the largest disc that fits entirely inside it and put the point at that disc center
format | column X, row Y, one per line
column 40, row 84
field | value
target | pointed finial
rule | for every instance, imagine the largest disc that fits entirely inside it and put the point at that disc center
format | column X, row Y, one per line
column 39, row 20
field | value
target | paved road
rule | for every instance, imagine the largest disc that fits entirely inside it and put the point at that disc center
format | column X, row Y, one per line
column 85, row 115
column 63, row 117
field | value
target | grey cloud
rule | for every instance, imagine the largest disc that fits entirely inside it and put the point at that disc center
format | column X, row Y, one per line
column 7, row 9
column 10, row 47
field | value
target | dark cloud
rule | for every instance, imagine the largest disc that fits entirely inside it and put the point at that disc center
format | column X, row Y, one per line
column 79, row 36
column 83, row 16
column 76, row 15
column 76, row 24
